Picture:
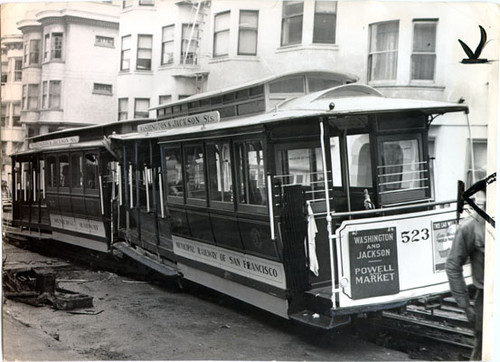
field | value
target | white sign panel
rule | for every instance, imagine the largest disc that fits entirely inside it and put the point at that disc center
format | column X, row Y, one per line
column 187, row 121
column 394, row 257
column 76, row 224
column 55, row 142
column 263, row 270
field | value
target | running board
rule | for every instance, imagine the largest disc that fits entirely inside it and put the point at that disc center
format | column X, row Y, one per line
column 167, row 270
column 320, row 320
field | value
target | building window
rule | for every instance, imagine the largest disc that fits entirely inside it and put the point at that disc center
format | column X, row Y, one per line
column 56, row 46
column 189, row 44
column 53, row 46
column 34, row 52
column 221, row 34
column 383, row 55
column 16, row 115
column 122, row 109
column 167, row 45
column 30, row 96
column 45, row 95
column 165, row 99
column 5, row 68
column 55, row 94
column 18, row 69
column 105, row 89
column 291, row 22
column 5, row 115
column 146, row 2
column 423, row 58
column 480, row 148
column 144, row 52
column 141, row 108
column 104, row 41
column 247, row 37
column 325, row 22
column 125, row 54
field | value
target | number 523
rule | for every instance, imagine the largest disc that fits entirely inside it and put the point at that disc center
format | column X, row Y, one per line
column 414, row 236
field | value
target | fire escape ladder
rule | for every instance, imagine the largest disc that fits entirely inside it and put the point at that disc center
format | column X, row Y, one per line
column 199, row 11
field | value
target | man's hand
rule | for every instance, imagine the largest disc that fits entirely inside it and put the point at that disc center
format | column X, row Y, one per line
column 471, row 314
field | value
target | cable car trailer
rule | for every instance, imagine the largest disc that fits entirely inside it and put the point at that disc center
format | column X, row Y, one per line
column 317, row 210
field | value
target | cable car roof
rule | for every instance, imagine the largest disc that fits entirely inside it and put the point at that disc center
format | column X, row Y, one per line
column 351, row 99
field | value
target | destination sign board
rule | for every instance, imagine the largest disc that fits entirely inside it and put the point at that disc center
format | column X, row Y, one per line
column 374, row 262
column 180, row 122
column 54, row 142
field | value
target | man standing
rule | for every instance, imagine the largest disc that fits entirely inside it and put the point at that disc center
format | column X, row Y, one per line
column 469, row 243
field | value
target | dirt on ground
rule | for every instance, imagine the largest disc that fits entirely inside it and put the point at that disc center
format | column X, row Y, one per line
column 144, row 320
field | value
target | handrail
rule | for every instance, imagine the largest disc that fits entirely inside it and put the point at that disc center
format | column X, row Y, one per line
column 386, row 209
column 403, row 164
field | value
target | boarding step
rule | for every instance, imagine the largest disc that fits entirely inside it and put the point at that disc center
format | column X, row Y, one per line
column 145, row 258
column 320, row 320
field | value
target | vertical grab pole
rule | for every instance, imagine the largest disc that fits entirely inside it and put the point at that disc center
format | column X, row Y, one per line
column 270, row 205
column 328, row 212
column 471, row 145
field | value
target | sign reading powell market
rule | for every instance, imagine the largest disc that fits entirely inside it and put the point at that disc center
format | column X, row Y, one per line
column 374, row 263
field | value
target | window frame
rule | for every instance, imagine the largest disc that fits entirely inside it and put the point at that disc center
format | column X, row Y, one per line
column 248, row 29
column 104, row 41
column 122, row 112
column 135, row 107
column 219, row 204
column 185, row 42
column 138, row 60
column 241, row 166
column 285, row 18
column 433, row 53
column 28, row 97
column 317, row 15
column 165, row 43
column 107, row 89
column 54, row 94
column 174, row 199
column 193, row 201
column 125, row 53
column 372, row 53
column 218, row 32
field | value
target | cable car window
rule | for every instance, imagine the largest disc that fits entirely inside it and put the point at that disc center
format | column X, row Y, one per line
column 51, row 172
column 219, row 166
column 303, row 166
column 195, row 172
column 64, row 175
column 336, row 165
column 25, row 180
column 173, row 166
column 42, row 179
column 401, row 166
column 251, row 173
column 91, row 171
column 359, row 158
column 76, row 172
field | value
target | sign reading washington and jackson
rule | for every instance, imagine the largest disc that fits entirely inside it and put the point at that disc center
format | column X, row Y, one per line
column 55, row 142
column 187, row 121
column 374, row 263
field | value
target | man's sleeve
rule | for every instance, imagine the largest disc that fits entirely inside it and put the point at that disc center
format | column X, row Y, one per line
column 454, row 269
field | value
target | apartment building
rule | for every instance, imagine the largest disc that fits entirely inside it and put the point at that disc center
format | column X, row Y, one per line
column 12, row 131
column 98, row 62
column 173, row 49
column 69, row 66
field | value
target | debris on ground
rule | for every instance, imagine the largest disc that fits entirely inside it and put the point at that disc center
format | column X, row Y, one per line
column 39, row 288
